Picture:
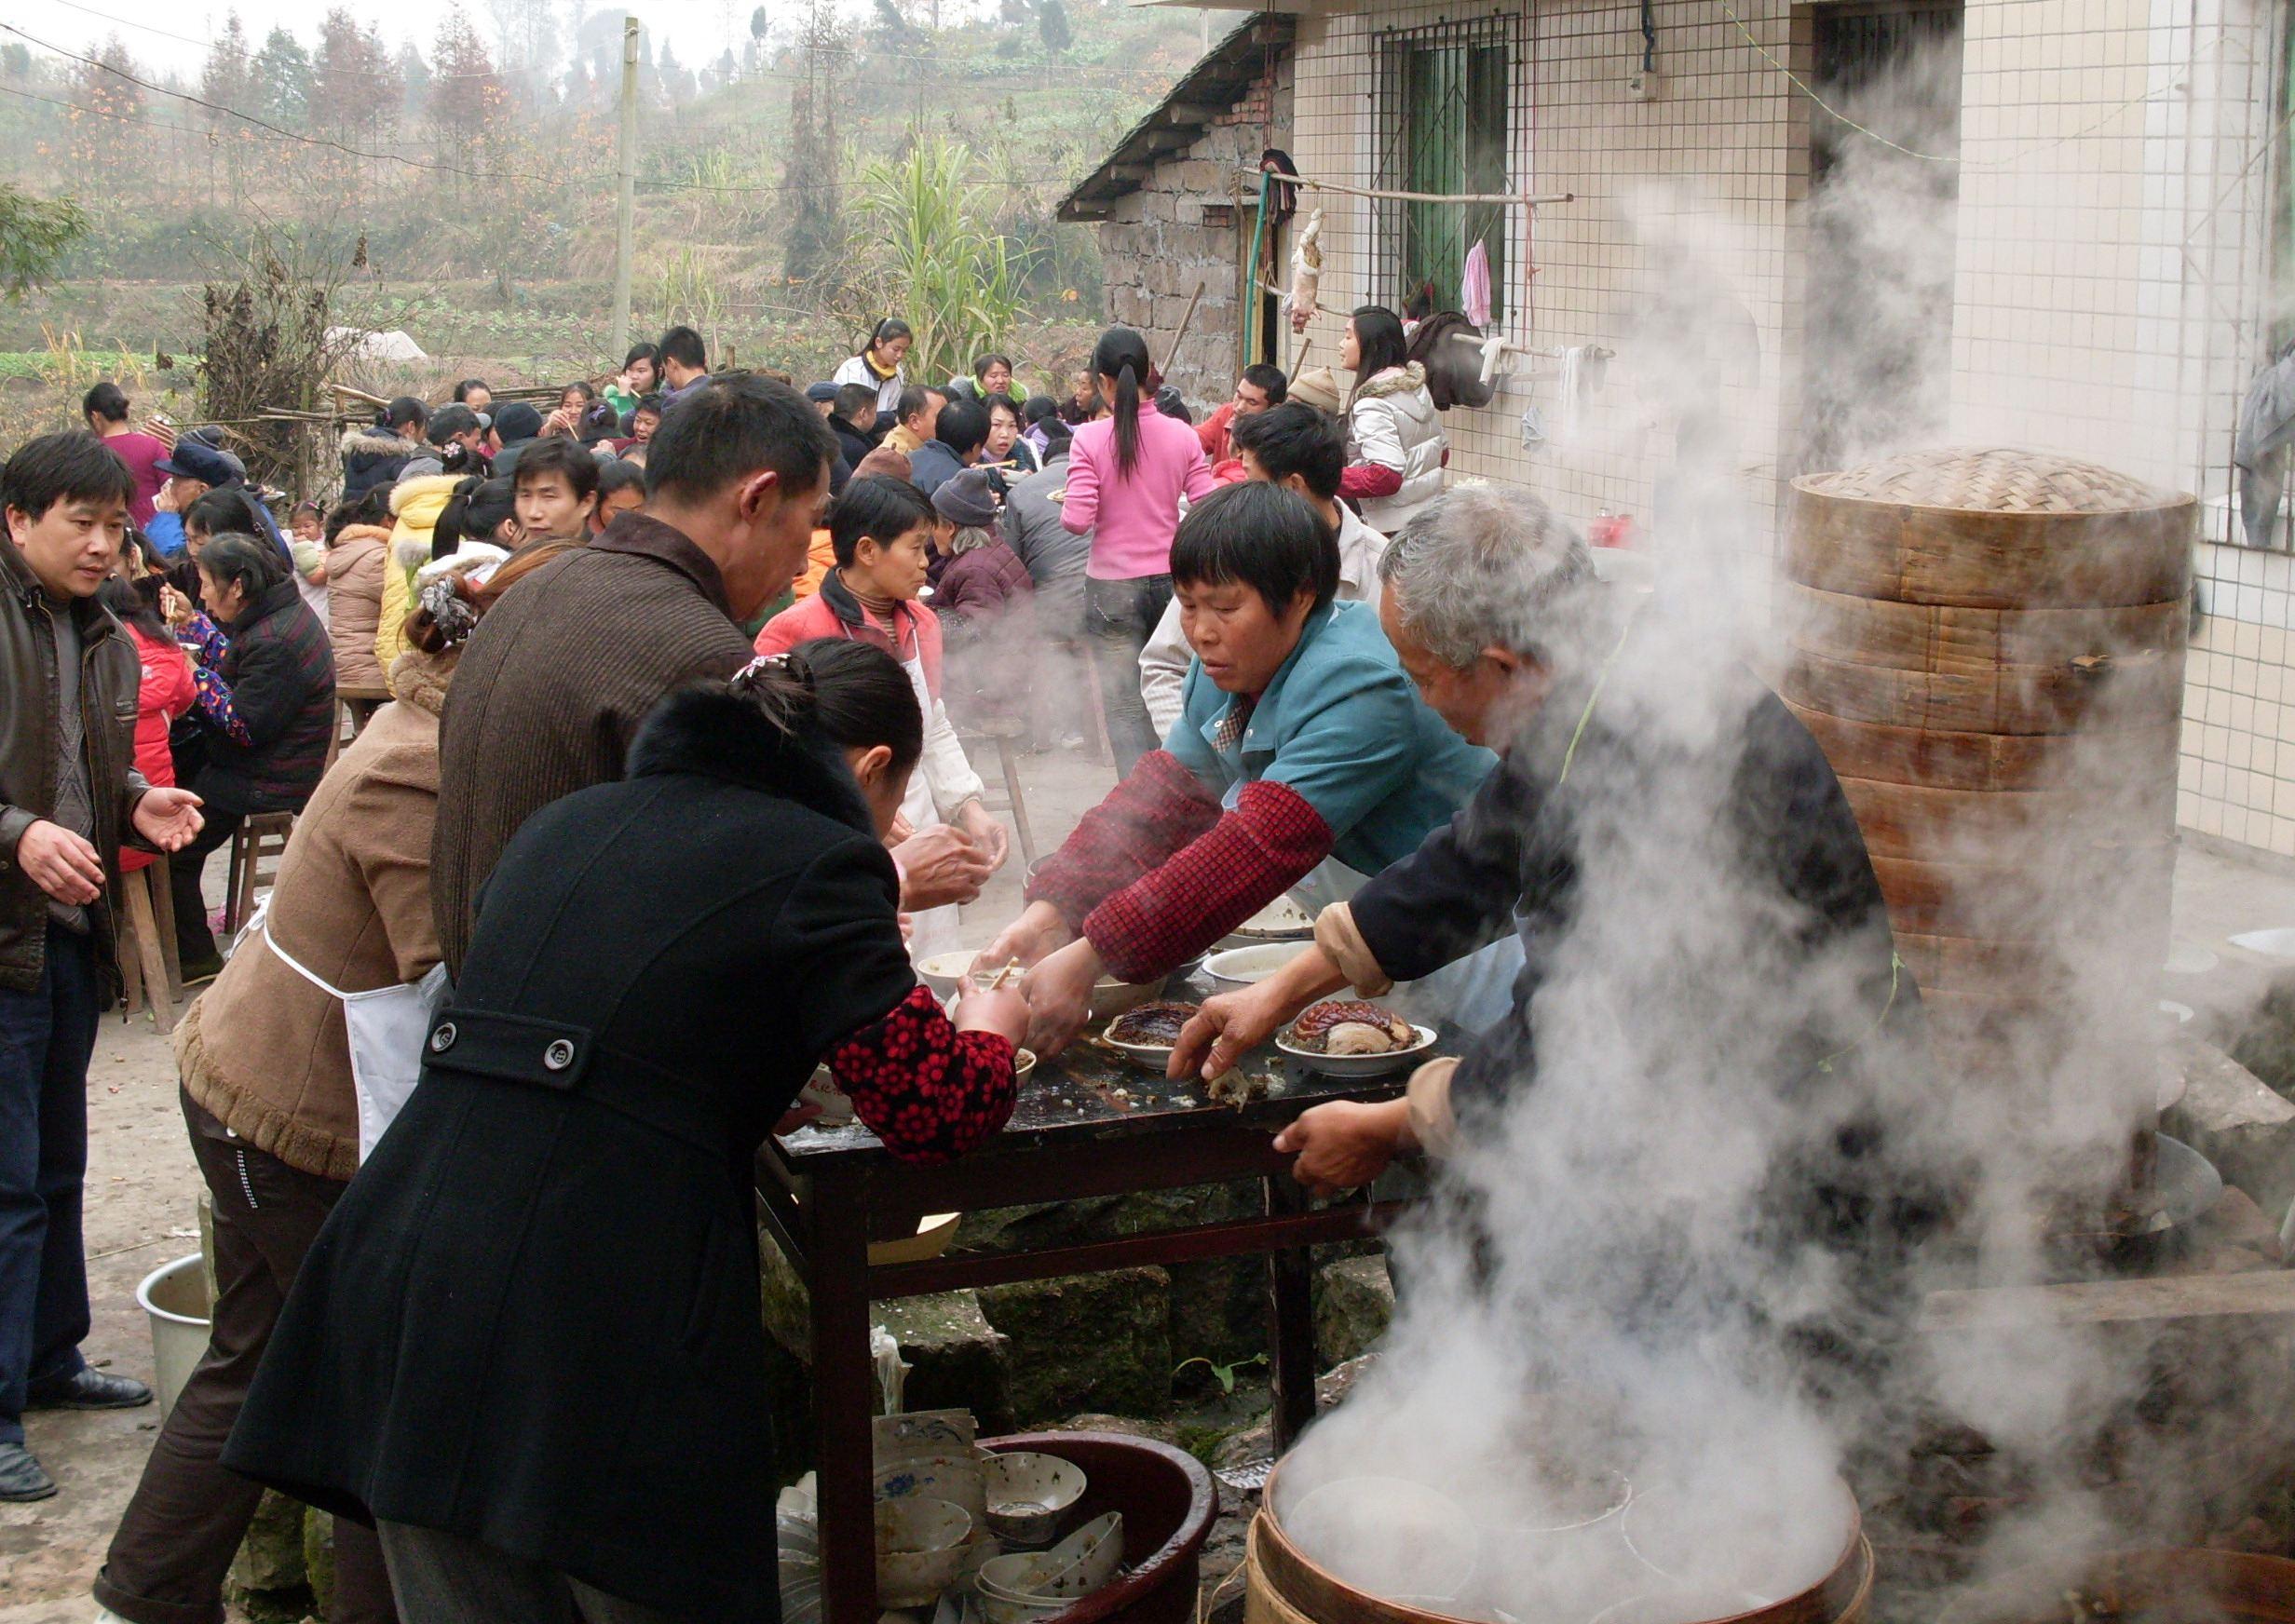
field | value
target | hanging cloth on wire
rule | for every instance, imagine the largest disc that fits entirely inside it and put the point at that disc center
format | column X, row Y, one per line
column 1474, row 297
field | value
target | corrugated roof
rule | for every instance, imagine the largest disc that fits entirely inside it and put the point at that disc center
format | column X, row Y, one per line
column 1207, row 89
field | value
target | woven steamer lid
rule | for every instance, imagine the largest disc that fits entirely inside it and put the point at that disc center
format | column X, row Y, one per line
column 1990, row 479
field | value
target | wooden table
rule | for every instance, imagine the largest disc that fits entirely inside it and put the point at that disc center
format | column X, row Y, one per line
column 827, row 1193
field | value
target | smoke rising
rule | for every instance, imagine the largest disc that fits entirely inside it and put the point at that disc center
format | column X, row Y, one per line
column 1689, row 1253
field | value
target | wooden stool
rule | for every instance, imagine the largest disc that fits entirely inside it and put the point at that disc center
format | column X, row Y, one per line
column 145, row 947
column 259, row 836
column 358, row 705
column 1001, row 731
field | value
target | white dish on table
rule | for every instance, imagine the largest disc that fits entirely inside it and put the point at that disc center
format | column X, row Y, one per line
column 1244, row 967
column 1358, row 1065
column 1282, row 920
column 2278, row 944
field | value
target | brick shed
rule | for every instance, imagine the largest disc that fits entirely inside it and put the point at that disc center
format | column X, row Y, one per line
column 1175, row 208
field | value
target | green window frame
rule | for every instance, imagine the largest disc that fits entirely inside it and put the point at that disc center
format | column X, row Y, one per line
column 1445, row 111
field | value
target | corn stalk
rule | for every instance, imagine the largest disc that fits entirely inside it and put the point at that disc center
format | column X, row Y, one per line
column 941, row 265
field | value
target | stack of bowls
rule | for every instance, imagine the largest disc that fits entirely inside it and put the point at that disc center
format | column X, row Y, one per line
column 1028, row 1494
column 1025, row 1587
column 920, row 1547
column 929, row 1454
column 799, row 1551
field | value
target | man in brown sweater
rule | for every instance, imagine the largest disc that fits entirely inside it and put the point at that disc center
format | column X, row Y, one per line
column 558, row 676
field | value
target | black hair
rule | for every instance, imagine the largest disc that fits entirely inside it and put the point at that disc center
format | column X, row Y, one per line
column 1295, row 439
column 461, row 390
column 1121, row 354
column 843, row 691
column 732, row 429
column 457, row 458
column 641, row 352
column 982, row 363
column 373, row 507
column 851, row 398
column 1037, row 407
column 648, row 403
column 558, row 456
column 405, row 408
column 249, row 560
column 599, row 421
column 1010, row 405
column 914, row 398
column 106, row 400
column 226, row 510
column 879, row 508
column 963, row 425
column 885, row 331
column 473, row 513
column 135, row 603
column 589, row 394
column 75, row 466
column 620, row 476
column 684, row 345
column 1378, row 332
column 1268, row 378
column 1169, row 403
column 1261, row 536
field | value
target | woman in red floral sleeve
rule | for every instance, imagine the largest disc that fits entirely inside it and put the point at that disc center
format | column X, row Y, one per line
column 526, row 1343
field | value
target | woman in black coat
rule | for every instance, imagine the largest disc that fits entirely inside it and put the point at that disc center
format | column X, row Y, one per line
column 266, row 711
column 526, row 1343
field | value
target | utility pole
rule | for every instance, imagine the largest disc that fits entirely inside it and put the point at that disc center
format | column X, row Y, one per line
column 625, row 208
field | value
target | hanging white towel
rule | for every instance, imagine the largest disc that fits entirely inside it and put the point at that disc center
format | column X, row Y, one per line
column 1569, row 417
column 1475, row 295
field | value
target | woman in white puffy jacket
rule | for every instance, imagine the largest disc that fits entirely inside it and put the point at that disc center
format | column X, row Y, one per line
column 1395, row 443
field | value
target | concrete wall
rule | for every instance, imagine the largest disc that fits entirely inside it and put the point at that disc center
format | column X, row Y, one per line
column 1156, row 247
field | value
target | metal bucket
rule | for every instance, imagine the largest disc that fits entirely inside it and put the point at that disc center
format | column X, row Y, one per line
column 175, row 1297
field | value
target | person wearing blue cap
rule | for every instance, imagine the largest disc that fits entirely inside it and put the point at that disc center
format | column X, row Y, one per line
column 192, row 469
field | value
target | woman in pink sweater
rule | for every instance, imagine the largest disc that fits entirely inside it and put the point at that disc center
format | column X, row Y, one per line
column 1126, row 474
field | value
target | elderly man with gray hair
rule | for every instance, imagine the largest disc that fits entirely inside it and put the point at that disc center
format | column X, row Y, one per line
column 1492, row 603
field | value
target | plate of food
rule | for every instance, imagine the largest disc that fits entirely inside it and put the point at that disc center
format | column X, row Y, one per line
column 1282, row 920
column 1150, row 1033
column 1346, row 1037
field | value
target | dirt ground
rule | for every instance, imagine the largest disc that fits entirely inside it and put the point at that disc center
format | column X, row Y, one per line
column 143, row 1191
column 142, row 1211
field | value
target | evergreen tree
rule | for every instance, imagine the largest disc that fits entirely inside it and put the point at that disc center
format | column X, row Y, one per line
column 465, row 92
column 226, row 78
column 280, row 81
column 1052, row 25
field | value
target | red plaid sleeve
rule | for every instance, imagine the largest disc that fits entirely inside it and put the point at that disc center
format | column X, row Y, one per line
column 928, row 1091
column 1252, row 856
column 1153, row 813
column 1363, row 480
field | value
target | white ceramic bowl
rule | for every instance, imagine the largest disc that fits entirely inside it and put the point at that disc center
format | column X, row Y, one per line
column 953, row 1478
column 1003, row 1609
column 920, row 1544
column 1282, row 920
column 920, row 1432
column 1241, row 966
column 1093, row 1553
column 1027, row 1494
column 944, row 972
column 2278, row 944
column 1358, row 1065
column 1019, row 1577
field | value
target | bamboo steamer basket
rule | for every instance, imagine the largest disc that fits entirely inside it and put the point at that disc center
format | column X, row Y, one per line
column 1284, row 1585
column 1989, row 646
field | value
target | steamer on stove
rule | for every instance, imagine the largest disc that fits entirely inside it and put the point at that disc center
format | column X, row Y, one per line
column 1989, row 644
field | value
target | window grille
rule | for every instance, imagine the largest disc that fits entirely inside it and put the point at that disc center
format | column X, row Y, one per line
column 1445, row 116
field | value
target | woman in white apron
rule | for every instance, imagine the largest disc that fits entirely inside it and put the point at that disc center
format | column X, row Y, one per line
column 292, row 1063
column 1302, row 762
column 880, row 532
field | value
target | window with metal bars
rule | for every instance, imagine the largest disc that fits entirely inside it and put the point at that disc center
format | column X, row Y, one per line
column 1443, row 108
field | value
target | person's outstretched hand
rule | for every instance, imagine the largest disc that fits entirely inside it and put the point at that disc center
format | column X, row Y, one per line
column 1027, row 941
column 1059, row 993
column 986, row 832
column 1226, row 1029
column 940, row 865
column 169, row 818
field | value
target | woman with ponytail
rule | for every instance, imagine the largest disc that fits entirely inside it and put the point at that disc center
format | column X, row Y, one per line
column 1126, row 475
column 878, row 365
column 272, row 1101
column 657, row 967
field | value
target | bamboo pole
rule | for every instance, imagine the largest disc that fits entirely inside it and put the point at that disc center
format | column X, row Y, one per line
column 1518, row 200
column 1186, row 320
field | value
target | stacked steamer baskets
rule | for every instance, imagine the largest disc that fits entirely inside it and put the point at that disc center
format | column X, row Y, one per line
column 1989, row 646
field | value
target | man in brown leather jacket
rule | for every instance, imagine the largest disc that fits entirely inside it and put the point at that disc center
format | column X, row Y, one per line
column 69, row 794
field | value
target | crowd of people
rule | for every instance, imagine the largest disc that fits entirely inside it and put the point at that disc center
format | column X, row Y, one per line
column 656, row 787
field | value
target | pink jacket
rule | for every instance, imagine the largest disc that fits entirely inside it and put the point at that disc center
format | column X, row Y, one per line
column 1132, row 520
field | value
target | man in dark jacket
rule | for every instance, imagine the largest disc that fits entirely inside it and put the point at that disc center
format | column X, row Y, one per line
column 69, row 794
column 955, row 445
column 519, row 424
column 553, row 683
column 852, row 418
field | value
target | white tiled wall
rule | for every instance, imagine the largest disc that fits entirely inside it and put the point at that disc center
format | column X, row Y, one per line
column 2111, row 282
